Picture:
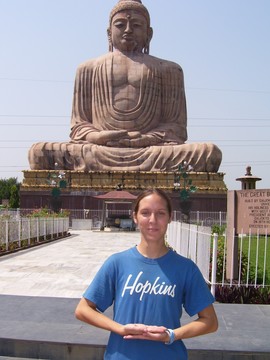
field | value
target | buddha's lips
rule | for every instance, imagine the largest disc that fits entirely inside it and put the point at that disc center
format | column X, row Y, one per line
column 128, row 37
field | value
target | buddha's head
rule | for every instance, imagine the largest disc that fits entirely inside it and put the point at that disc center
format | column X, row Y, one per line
column 129, row 29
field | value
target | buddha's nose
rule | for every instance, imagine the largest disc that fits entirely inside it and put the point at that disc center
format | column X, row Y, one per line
column 128, row 28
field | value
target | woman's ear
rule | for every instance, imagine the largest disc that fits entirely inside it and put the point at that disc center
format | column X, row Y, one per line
column 134, row 217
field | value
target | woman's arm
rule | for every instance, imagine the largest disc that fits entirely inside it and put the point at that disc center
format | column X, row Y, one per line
column 206, row 323
column 86, row 311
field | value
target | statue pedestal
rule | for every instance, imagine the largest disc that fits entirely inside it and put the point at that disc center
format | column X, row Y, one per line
column 77, row 189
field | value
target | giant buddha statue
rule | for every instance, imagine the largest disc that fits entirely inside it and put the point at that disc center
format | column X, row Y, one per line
column 129, row 109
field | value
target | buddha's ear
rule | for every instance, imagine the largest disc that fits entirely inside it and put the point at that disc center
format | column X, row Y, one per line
column 109, row 34
column 149, row 38
column 150, row 34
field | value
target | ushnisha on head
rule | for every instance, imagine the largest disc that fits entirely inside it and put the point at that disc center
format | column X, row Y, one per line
column 130, row 5
column 136, row 6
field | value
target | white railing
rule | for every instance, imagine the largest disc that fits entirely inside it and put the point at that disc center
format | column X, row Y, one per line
column 252, row 263
column 209, row 252
column 31, row 230
column 208, row 218
column 193, row 242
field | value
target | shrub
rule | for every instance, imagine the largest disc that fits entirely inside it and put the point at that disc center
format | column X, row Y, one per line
column 45, row 212
column 242, row 295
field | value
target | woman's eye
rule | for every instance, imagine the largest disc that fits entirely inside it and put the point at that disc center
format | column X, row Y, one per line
column 161, row 213
column 145, row 213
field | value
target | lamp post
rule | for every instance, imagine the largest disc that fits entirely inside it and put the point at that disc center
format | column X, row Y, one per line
column 57, row 180
column 183, row 184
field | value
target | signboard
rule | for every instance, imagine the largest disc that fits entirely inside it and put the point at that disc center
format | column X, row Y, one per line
column 253, row 211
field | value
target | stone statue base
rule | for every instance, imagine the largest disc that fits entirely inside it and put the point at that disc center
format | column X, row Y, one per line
column 102, row 181
column 77, row 189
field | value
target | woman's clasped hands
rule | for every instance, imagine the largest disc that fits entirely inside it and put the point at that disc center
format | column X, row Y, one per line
column 145, row 332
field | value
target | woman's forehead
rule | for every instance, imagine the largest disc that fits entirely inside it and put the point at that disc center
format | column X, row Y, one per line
column 153, row 200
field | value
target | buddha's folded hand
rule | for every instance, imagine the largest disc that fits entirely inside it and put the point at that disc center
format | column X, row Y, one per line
column 140, row 141
column 105, row 137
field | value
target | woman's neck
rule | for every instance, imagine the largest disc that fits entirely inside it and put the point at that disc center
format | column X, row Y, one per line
column 152, row 251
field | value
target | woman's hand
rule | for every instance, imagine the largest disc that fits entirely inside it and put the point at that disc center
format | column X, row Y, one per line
column 145, row 332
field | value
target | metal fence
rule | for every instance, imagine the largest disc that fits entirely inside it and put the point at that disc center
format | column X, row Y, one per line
column 209, row 252
column 253, row 260
column 208, row 218
column 31, row 230
column 193, row 242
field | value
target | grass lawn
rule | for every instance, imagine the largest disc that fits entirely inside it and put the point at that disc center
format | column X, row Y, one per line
column 256, row 248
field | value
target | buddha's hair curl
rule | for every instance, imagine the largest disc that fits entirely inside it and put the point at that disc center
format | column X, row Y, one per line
column 130, row 5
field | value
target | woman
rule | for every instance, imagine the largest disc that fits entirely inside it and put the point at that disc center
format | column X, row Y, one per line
column 148, row 285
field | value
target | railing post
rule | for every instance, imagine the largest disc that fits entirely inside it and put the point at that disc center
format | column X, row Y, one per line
column 29, row 231
column 214, row 264
column 6, row 235
column 37, row 229
column 45, row 228
column 52, row 227
column 19, row 232
column 57, row 227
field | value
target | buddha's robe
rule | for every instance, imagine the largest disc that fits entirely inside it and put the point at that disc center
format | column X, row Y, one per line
column 160, row 111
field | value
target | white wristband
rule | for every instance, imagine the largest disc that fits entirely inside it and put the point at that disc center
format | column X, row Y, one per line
column 171, row 334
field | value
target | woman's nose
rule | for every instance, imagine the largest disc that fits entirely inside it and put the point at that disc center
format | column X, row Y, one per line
column 152, row 217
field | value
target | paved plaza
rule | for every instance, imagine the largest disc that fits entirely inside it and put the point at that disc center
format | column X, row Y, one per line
column 40, row 288
column 63, row 268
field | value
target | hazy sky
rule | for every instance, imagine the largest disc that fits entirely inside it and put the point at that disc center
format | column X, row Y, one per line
column 222, row 46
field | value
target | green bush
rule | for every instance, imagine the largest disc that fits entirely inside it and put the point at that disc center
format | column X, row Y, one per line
column 45, row 212
column 242, row 295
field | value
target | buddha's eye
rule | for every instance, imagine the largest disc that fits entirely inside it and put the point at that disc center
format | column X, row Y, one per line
column 119, row 24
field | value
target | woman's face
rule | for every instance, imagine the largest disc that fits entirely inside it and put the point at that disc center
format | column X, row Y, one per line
column 153, row 217
column 129, row 31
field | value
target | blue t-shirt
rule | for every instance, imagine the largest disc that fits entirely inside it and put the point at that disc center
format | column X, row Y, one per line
column 150, row 292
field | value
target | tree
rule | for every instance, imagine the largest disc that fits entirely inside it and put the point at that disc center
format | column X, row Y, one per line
column 14, row 200
column 6, row 190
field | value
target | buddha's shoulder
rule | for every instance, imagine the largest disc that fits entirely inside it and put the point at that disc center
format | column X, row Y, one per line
column 149, row 60
column 91, row 63
column 163, row 63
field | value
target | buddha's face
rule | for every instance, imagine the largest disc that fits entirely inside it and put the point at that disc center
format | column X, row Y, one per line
column 129, row 31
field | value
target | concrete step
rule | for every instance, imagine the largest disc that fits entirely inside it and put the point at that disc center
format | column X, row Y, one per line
column 45, row 328
column 15, row 358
